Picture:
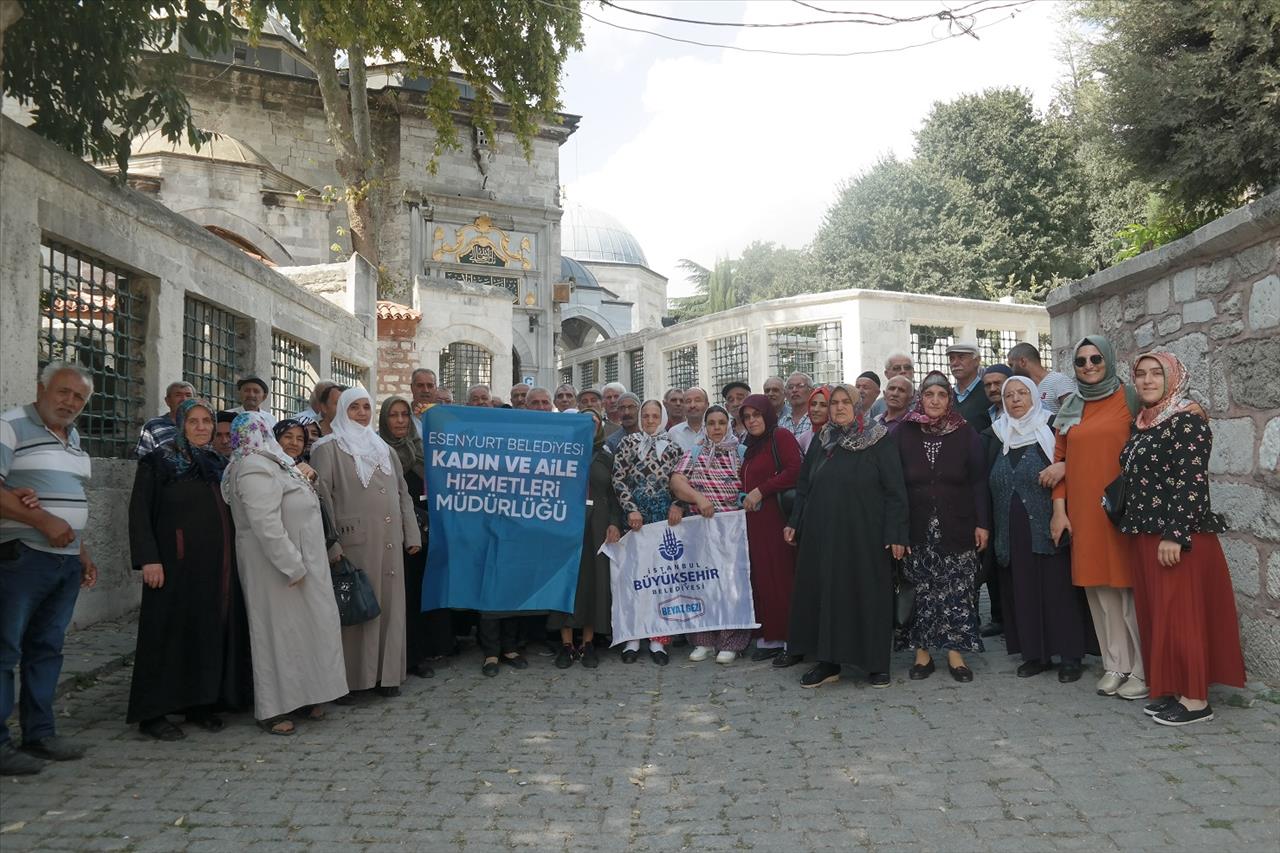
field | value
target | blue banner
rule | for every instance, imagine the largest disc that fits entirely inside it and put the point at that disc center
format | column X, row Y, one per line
column 506, row 495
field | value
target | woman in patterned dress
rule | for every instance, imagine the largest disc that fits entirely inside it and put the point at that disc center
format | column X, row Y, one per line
column 1182, row 588
column 705, row 482
column 641, row 473
column 945, row 470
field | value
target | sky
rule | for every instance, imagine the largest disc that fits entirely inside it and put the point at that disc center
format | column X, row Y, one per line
column 699, row 151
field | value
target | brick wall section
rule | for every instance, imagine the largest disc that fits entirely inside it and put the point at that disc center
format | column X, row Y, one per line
column 1213, row 299
column 397, row 349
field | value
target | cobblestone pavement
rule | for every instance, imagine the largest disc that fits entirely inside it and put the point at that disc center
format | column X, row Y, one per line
column 691, row 757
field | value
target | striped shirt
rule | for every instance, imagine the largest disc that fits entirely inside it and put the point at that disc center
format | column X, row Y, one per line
column 1053, row 388
column 32, row 456
column 155, row 432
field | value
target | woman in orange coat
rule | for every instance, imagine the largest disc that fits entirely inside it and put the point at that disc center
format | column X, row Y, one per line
column 1093, row 426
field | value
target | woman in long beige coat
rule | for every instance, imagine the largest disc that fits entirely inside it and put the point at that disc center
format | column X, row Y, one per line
column 361, row 483
column 294, row 631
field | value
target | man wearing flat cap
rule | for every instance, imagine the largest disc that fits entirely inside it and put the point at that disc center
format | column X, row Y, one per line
column 253, row 398
column 733, row 394
column 966, row 367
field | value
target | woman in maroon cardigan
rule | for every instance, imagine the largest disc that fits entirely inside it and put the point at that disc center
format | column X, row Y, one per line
column 944, row 467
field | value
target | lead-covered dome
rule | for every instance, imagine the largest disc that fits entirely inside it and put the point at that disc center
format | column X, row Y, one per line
column 587, row 234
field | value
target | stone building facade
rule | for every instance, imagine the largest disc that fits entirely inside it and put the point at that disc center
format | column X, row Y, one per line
column 1213, row 299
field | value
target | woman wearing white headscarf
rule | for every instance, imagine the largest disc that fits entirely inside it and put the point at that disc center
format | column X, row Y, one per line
column 294, row 632
column 1044, row 614
column 361, row 482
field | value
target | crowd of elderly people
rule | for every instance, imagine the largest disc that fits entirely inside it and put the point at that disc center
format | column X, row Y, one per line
column 874, row 510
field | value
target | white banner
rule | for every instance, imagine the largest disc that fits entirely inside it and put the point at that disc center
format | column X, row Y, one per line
column 676, row 580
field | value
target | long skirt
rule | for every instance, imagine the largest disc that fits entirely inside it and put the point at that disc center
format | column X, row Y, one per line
column 946, row 616
column 1186, row 618
column 1050, row 614
column 723, row 641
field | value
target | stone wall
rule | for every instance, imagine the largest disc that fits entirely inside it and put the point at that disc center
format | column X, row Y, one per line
column 1213, row 299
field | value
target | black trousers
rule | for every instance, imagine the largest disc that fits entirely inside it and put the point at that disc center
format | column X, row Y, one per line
column 498, row 635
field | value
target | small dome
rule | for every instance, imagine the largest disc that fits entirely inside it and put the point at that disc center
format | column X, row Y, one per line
column 587, row 234
column 220, row 147
column 571, row 269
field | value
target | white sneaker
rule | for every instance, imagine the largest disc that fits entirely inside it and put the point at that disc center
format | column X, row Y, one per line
column 1110, row 683
column 1133, row 688
column 700, row 653
column 726, row 657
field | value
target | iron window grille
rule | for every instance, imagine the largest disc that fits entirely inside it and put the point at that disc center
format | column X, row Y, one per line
column 729, row 360
column 929, row 349
column 292, row 376
column 1046, row 351
column 682, row 367
column 566, row 375
column 345, row 372
column 611, row 368
column 463, row 365
column 211, row 351
column 816, row 350
column 636, row 357
column 94, row 314
column 588, row 371
column 994, row 345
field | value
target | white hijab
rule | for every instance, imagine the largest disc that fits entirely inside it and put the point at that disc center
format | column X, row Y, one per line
column 658, row 441
column 361, row 443
column 1031, row 428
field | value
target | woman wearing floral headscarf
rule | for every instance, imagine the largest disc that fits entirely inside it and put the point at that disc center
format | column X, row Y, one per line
column 1182, row 588
column 819, row 406
column 362, row 483
column 293, row 618
column 946, row 475
column 193, row 645
column 641, row 473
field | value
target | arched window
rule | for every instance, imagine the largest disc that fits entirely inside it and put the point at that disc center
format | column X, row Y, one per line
column 463, row 365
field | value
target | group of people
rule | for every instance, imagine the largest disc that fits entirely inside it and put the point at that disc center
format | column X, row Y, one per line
column 874, row 510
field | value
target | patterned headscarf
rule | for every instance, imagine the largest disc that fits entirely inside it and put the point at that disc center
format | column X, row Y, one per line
column 408, row 447
column 1175, row 399
column 655, row 442
column 185, row 459
column 250, row 434
column 764, row 406
column 1072, row 409
column 287, row 424
column 361, row 443
column 1031, row 428
column 946, row 423
column 730, row 441
column 861, row 432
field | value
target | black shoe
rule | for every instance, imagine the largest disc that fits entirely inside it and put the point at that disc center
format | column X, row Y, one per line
column 1161, row 704
column 765, row 654
column 660, row 658
column 423, row 670
column 823, row 673
column 389, row 692
column 961, row 673
column 1176, row 714
column 991, row 629
column 161, row 729
column 15, row 763
column 564, row 659
column 587, row 654
column 489, row 669
column 516, row 662
column 1034, row 667
column 346, row 699
column 630, row 655
column 921, row 671
column 879, row 679
column 1069, row 671
column 787, row 659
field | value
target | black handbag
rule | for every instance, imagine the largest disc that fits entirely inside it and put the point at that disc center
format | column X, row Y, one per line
column 354, row 593
column 904, row 597
column 1113, row 499
column 786, row 497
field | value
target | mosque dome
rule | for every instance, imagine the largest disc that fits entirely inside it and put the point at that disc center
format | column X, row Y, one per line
column 587, row 234
column 220, row 148
column 571, row 269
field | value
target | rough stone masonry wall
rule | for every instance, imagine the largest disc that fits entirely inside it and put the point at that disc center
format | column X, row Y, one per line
column 1213, row 299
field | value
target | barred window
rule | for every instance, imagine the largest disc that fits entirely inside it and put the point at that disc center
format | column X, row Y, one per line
column 816, row 350
column 566, row 375
column 611, row 368
column 211, row 351
column 929, row 349
column 1046, row 351
column 729, row 360
column 346, row 372
column 463, row 365
column 636, row 357
column 292, row 375
column 994, row 345
column 588, row 373
column 94, row 314
column 682, row 367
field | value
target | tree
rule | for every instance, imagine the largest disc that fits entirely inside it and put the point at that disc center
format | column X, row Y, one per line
column 1192, row 90
column 766, row 270
column 75, row 66
column 714, row 290
column 515, row 48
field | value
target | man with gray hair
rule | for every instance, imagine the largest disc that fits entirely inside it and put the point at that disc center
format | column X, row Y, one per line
column 161, row 430
column 538, row 400
column 566, row 398
column 628, row 420
column 43, row 561
column 478, row 395
column 796, row 418
column 611, row 392
column 899, row 364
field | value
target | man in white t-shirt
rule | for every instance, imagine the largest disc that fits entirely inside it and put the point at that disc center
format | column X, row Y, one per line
column 1024, row 360
column 695, row 405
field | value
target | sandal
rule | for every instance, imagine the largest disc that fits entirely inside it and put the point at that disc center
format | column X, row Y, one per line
column 161, row 729
column 281, row 726
column 315, row 713
column 208, row 722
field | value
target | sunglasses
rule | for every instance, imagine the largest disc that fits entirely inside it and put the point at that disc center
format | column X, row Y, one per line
column 1081, row 361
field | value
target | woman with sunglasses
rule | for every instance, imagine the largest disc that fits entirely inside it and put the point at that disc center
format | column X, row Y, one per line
column 1093, row 426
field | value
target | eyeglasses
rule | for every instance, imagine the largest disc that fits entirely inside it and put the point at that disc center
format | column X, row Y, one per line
column 1081, row 360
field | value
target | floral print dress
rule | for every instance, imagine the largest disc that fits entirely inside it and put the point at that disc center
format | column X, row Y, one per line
column 641, row 472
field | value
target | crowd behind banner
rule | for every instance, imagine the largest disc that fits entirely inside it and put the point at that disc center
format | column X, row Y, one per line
column 874, row 510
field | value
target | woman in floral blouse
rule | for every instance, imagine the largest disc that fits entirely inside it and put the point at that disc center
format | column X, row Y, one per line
column 1185, row 605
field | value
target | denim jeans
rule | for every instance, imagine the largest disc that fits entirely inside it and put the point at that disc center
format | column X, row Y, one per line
column 37, row 595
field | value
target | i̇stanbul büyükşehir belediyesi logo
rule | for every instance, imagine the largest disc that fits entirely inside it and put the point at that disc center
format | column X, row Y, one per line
column 670, row 548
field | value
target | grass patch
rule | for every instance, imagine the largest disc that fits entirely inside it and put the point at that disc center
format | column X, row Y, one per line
column 1217, row 823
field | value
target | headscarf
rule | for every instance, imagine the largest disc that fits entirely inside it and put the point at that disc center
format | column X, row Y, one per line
column 1072, row 409
column 361, row 443
column 409, row 447
column 730, row 441
column 185, row 459
column 825, row 391
column 1031, row 428
column 859, row 434
column 287, row 424
column 250, row 434
column 946, row 423
column 764, row 406
column 1175, row 399
column 655, row 442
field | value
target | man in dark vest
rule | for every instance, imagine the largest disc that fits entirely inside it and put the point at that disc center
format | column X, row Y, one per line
column 966, row 367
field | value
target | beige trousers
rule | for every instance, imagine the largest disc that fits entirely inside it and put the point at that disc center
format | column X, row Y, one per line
column 1116, row 622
